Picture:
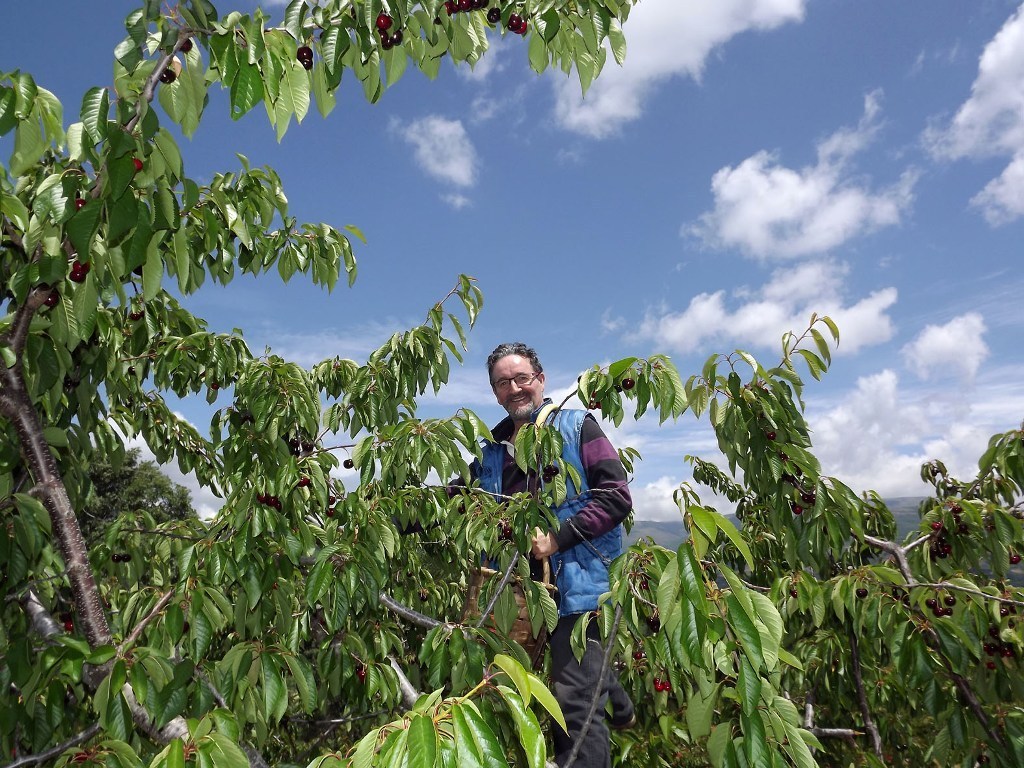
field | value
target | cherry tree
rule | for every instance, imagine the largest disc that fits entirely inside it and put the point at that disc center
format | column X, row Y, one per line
column 299, row 626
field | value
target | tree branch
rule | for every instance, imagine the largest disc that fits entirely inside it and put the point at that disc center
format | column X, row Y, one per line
column 415, row 617
column 78, row 738
column 409, row 694
column 862, row 698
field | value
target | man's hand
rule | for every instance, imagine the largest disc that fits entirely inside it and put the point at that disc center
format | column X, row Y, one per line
column 544, row 544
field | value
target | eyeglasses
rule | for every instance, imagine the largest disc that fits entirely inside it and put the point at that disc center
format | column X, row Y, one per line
column 521, row 380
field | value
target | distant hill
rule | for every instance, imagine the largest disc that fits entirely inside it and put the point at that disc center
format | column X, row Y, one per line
column 670, row 534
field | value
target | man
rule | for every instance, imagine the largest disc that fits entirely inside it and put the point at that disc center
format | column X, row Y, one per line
column 588, row 538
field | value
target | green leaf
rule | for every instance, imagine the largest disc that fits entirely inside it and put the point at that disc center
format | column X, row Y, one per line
column 422, row 742
column 699, row 711
column 305, row 683
column 530, row 735
column 152, row 271
column 748, row 686
column 737, row 539
column 275, row 694
column 547, row 700
column 29, row 146
column 519, row 676
column 745, row 630
column 95, row 106
column 475, row 742
column 691, row 578
column 721, row 737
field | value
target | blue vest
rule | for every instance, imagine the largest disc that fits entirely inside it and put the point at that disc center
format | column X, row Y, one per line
column 581, row 573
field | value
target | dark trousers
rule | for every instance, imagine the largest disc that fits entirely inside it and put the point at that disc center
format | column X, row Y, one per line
column 575, row 684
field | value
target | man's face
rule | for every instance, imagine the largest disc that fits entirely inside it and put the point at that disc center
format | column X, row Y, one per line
column 519, row 401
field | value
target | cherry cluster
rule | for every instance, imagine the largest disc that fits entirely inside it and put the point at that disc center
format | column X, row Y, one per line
column 121, row 557
column 304, row 55
column 940, row 548
column 388, row 40
column 452, row 7
column 78, row 271
column 945, row 608
column 269, row 500
column 549, row 473
column 662, row 684
column 807, row 497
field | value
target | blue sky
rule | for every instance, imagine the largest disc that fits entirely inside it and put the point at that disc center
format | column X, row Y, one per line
column 753, row 161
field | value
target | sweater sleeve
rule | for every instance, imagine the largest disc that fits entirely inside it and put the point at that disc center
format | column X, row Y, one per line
column 610, row 501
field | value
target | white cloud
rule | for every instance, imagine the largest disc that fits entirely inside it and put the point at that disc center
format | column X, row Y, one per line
column 665, row 39
column 771, row 211
column 880, row 434
column 991, row 122
column 443, row 149
column 956, row 347
column 653, row 501
column 785, row 303
column 457, row 201
column 1002, row 199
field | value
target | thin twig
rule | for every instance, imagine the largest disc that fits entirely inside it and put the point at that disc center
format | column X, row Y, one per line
column 497, row 593
column 160, row 605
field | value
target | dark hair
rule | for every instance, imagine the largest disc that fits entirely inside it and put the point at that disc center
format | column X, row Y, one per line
column 513, row 348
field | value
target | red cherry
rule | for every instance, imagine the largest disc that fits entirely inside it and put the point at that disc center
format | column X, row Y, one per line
column 304, row 482
column 628, row 384
column 862, row 593
column 52, row 299
column 770, row 435
column 449, row 6
column 657, row 683
column 797, row 509
column 1014, row 558
column 794, row 593
column 639, row 655
column 69, row 626
column 464, row 5
column 79, row 203
column 348, row 463
column 168, row 76
column 186, row 46
column 137, row 163
column 494, row 15
column 514, row 22
column 524, row 25
column 937, row 525
column 361, row 674
column 383, row 22
column 396, row 39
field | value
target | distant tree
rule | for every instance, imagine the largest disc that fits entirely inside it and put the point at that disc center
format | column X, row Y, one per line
column 130, row 487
